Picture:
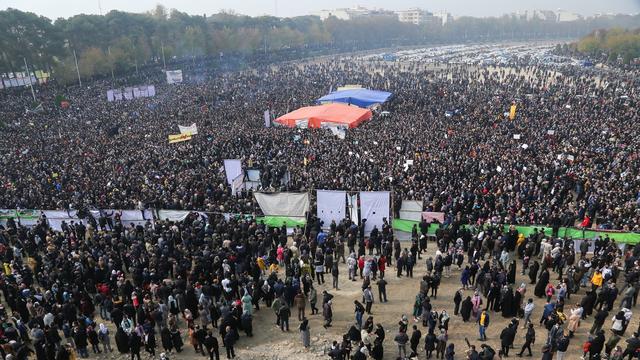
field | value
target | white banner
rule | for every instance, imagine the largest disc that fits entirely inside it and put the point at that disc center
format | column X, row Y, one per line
column 352, row 203
column 429, row 216
column 174, row 76
column 236, row 184
column 253, row 175
column 56, row 217
column 151, row 90
column 374, row 207
column 191, row 129
column 331, row 205
column 283, row 204
column 411, row 210
column 128, row 93
column 110, row 97
column 177, row 215
column 233, row 169
column 267, row 118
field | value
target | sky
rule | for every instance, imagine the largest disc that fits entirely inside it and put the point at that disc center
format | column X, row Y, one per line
column 287, row 8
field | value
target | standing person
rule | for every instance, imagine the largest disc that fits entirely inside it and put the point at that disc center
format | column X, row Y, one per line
column 300, row 302
column 150, row 342
column 402, row 339
column 457, row 299
column 415, row 341
column 103, row 337
column 305, row 334
column 334, row 274
column 483, row 323
column 327, row 313
column 284, row 313
column 134, row 345
column 368, row 299
column 507, row 337
column 562, row 345
column 313, row 299
column 382, row 288
column 211, row 344
column 229, row 341
column 442, row 344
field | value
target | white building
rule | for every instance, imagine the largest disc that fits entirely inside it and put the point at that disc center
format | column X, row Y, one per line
column 545, row 15
column 563, row 15
column 415, row 16
column 344, row 13
column 444, row 17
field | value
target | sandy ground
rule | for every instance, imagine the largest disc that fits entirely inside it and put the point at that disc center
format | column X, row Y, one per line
column 269, row 342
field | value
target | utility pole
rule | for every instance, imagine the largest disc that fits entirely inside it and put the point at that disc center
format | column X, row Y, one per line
column 33, row 93
column 77, row 68
column 163, row 60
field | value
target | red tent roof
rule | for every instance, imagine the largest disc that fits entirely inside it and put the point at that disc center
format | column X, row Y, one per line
column 337, row 113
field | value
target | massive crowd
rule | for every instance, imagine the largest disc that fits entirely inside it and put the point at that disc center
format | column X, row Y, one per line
column 202, row 278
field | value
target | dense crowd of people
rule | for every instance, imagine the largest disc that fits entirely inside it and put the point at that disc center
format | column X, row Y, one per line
column 99, row 154
column 150, row 287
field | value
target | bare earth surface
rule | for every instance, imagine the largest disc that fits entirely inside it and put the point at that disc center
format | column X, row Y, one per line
column 269, row 342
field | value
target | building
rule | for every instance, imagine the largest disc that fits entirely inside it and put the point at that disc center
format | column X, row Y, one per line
column 545, row 15
column 348, row 13
column 415, row 16
column 563, row 15
column 444, row 17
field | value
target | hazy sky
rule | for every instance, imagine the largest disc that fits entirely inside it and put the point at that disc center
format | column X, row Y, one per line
column 66, row 8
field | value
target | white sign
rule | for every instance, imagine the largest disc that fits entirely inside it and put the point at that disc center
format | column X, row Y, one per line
column 191, row 129
column 267, row 118
column 174, row 76
column 516, row 136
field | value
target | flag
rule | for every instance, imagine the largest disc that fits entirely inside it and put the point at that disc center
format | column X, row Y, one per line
column 512, row 112
column 179, row 138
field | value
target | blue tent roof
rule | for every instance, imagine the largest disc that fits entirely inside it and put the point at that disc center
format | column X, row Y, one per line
column 359, row 97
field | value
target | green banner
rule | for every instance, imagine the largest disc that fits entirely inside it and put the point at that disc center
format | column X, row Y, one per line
column 574, row 233
column 278, row 221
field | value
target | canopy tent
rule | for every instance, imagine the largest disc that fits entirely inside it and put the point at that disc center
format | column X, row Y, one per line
column 315, row 116
column 359, row 97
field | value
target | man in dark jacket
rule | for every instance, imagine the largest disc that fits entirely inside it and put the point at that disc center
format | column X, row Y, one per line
column 229, row 341
column 284, row 312
column 529, row 339
column 415, row 341
column 633, row 345
column 211, row 344
column 134, row 345
column 506, row 339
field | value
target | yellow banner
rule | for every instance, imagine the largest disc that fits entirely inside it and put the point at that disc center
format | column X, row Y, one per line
column 512, row 113
column 179, row 138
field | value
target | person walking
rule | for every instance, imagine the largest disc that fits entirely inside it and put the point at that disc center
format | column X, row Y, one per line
column 529, row 339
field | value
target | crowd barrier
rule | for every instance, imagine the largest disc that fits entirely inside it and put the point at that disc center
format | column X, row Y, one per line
column 141, row 217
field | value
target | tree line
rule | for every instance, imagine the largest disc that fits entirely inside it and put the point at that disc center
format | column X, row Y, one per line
column 119, row 42
column 613, row 46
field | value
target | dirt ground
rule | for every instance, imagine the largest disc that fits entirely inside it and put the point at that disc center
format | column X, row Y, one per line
column 269, row 342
